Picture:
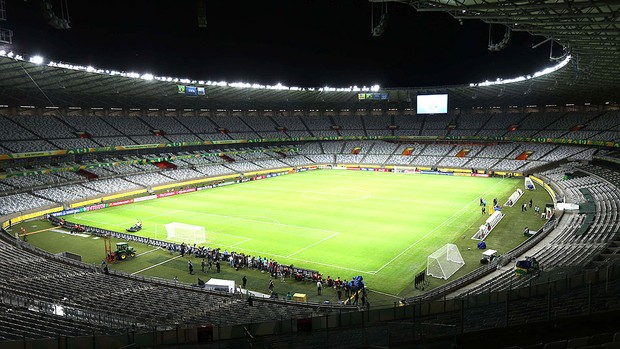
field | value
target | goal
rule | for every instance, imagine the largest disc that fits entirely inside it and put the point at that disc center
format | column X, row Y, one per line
column 444, row 262
column 188, row 233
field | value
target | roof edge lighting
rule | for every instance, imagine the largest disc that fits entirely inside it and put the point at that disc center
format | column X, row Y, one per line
column 537, row 74
column 36, row 59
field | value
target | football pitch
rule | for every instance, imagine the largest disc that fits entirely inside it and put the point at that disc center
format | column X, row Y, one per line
column 381, row 226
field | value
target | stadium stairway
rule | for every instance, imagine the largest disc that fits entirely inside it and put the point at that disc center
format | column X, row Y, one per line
column 227, row 158
column 88, row 174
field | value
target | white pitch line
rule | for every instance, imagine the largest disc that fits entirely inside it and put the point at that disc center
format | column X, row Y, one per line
column 457, row 213
column 374, row 197
column 156, row 265
column 259, row 221
column 311, row 245
column 240, row 242
column 153, row 250
column 385, row 294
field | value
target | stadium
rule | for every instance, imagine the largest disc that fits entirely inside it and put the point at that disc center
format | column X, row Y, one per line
column 143, row 211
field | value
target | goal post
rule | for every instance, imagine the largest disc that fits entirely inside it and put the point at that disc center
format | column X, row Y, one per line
column 444, row 262
column 181, row 232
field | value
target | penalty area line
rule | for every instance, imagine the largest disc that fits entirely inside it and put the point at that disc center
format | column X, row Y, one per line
column 153, row 250
column 156, row 265
column 240, row 242
column 447, row 221
column 312, row 245
column 385, row 294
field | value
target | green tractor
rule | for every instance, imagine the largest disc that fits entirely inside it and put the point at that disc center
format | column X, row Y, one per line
column 123, row 250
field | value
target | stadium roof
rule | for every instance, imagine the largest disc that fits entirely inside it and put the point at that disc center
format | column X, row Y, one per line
column 586, row 50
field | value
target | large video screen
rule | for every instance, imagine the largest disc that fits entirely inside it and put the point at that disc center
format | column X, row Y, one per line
column 432, row 104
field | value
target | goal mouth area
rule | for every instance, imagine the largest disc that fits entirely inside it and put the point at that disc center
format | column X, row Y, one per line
column 181, row 232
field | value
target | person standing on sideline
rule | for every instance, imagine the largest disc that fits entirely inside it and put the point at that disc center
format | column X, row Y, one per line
column 203, row 264
column 190, row 267
column 217, row 266
column 270, row 285
column 484, row 209
column 244, row 281
column 319, row 287
column 339, row 291
column 530, row 203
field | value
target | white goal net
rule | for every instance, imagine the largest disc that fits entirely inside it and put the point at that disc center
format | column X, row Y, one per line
column 444, row 262
column 187, row 233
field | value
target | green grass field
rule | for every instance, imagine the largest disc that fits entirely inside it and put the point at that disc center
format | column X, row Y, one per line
column 382, row 226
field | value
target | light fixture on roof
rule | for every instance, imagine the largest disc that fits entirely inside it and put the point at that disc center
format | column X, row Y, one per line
column 502, row 44
column 61, row 22
column 378, row 29
column 36, row 59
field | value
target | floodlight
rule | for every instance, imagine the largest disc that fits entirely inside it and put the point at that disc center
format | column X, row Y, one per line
column 36, row 59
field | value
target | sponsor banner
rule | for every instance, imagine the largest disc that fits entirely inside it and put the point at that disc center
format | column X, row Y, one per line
column 145, row 198
column 188, row 190
column 503, row 173
column 231, row 141
column 352, row 168
column 460, row 174
column 480, row 175
column 141, row 146
column 311, row 168
column 437, row 173
column 447, row 169
column 382, row 170
column 67, row 212
column 163, row 195
column 118, row 203
column 95, row 207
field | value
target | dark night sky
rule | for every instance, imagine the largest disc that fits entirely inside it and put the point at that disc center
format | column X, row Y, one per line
column 295, row 42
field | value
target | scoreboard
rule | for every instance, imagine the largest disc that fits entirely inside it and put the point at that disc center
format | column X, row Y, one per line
column 375, row 96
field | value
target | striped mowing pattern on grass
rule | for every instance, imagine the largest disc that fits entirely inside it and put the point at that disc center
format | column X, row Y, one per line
column 343, row 223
